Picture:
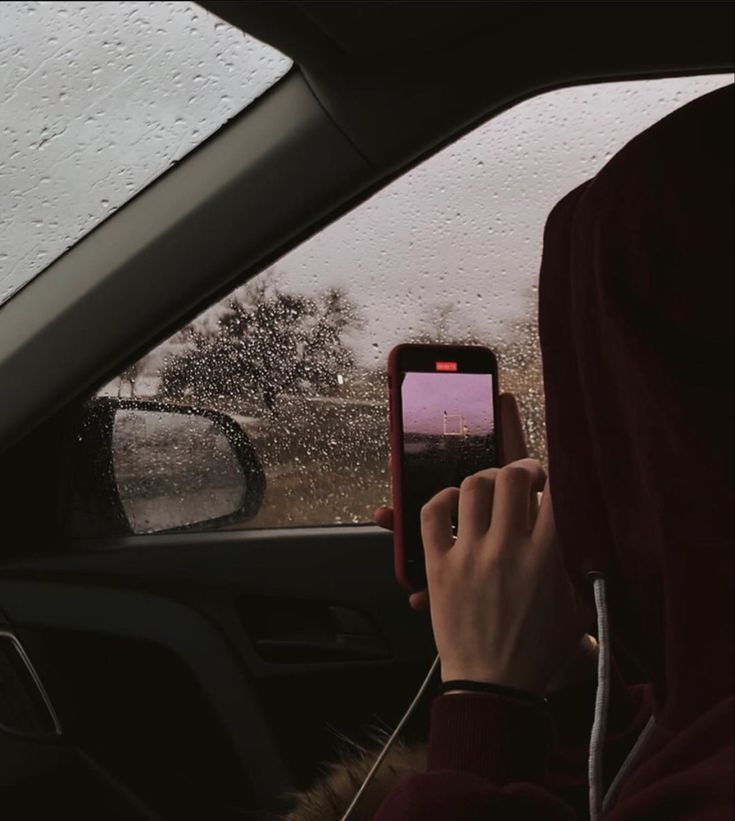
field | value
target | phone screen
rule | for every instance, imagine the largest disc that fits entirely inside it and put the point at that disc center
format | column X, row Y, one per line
column 448, row 434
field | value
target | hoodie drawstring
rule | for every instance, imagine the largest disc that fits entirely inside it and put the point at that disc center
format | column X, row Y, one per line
column 598, row 804
column 599, row 725
column 628, row 764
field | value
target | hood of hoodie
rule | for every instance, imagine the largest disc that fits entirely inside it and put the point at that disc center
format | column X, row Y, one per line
column 636, row 297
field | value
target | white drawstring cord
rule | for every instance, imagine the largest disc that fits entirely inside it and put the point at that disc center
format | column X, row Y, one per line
column 599, row 725
column 630, row 761
column 598, row 804
column 390, row 741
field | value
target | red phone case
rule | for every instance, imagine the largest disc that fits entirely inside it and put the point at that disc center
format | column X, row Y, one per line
column 396, row 465
column 396, row 443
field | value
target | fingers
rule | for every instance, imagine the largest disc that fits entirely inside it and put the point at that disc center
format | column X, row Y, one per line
column 504, row 499
column 436, row 522
column 516, row 486
column 476, row 504
column 512, row 439
column 383, row 517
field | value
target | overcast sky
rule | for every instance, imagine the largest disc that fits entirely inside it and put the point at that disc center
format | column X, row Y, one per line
column 465, row 227
column 426, row 397
column 97, row 102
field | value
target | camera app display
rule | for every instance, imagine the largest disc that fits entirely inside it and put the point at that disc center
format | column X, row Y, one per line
column 448, row 434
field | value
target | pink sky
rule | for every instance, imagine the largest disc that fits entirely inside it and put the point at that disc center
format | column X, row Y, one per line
column 426, row 396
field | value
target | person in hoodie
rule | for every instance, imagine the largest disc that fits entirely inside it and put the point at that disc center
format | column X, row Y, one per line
column 635, row 523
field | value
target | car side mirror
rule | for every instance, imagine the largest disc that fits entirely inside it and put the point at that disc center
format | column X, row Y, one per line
column 151, row 467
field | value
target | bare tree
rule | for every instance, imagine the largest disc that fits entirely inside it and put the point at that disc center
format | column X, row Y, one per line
column 129, row 375
column 265, row 342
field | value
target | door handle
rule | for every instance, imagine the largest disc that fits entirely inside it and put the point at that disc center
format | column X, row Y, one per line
column 284, row 631
column 344, row 647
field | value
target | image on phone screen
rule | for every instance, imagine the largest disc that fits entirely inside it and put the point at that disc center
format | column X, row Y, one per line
column 448, row 434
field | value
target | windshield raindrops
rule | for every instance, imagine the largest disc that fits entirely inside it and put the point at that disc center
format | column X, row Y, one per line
column 98, row 100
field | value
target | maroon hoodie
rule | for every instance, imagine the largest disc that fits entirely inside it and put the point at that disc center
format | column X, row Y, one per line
column 636, row 299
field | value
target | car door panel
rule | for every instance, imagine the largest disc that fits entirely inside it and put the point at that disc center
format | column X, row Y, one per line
column 266, row 645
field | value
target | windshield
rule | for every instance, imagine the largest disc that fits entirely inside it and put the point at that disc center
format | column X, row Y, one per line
column 98, row 100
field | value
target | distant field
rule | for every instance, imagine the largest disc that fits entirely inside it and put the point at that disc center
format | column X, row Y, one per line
column 328, row 464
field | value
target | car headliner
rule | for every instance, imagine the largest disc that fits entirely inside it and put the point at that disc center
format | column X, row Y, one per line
column 378, row 87
column 397, row 77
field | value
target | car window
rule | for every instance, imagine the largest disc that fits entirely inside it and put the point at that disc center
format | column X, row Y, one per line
column 295, row 359
column 98, row 99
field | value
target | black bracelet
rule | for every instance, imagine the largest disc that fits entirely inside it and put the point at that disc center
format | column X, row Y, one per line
column 487, row 687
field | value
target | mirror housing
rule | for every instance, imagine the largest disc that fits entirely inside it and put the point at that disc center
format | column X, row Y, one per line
column 142, row 466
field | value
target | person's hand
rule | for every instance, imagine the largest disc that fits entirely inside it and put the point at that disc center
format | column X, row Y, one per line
column 581, row 665
column 502, row 607
column 512, row 446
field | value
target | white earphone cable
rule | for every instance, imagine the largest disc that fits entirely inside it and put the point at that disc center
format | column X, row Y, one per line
column 392, row 739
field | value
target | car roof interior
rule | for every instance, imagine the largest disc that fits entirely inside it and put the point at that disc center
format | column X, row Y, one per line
column 376, row 87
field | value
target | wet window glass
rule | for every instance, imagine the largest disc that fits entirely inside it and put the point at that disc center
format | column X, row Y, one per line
column 447, row 253
column 99, row 99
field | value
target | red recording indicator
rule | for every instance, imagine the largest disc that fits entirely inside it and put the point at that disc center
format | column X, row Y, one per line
column 450, row 367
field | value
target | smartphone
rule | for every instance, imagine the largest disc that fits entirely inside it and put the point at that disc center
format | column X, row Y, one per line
column 444, row 419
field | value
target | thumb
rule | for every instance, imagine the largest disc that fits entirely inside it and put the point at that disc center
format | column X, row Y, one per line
column 512, row 439
column 420, row 600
